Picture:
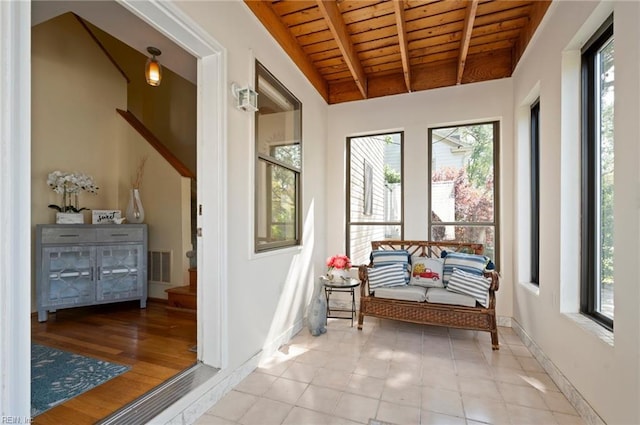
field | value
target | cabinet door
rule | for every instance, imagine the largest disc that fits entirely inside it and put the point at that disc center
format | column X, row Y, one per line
column 67, row 276
column 120, row 276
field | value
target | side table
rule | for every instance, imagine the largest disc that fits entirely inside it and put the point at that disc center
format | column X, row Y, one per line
column 342, row 285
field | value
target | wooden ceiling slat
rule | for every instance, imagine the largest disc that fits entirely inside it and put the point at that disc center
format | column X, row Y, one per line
column 512, row 24
column 371, row 24
column 398, row 6
column 435, row 9
column 303, row 17
column 382, row 51
column 379, row 60
column 308, row 27
column 434, row 21
column 324, row 55
column 498, row 36
column 506, row 15
column 374, row 35
column 316, row 37
column 333, row 16
column 502, row 5
column 280, row 32
column 286, row 7
column 376, row 10
column 470, row 17
column 376, row 69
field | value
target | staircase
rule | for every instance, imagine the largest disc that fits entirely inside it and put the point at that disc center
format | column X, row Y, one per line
column 184, row 298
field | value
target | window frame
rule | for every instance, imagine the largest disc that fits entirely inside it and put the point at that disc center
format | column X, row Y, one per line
column 496, row 185
column 261, row 158
column 591, row 194
column 534, row 133
column 348, row 222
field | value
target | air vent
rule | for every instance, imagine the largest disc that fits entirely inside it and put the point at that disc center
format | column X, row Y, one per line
column 160, row 266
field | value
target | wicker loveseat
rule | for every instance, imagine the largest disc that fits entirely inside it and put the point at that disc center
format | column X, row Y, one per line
column 455, row 316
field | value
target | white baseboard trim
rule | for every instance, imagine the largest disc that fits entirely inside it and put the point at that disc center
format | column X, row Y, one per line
column 583, row 408
column 188, row 409
column 504, row 321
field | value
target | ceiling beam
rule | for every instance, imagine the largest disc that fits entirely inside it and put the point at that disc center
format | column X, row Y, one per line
column 398, row 7
column 470, row 17
column 338, row 28
column 271, row 21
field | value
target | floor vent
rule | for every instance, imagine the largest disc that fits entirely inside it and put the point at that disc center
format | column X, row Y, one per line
column 149, row 405
column 160, row 266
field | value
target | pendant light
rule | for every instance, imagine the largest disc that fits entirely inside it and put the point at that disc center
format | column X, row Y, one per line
column 153, row 69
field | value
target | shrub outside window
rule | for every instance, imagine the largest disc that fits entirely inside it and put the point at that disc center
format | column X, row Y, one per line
column 464, row 185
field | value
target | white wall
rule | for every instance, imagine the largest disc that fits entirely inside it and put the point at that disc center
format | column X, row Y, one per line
column 606, row 374
column 415, row 114
column 267, row 293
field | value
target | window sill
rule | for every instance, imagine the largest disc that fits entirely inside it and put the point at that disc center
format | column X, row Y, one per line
column 588, row 325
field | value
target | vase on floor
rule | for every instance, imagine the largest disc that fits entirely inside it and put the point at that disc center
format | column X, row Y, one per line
column 135, row 211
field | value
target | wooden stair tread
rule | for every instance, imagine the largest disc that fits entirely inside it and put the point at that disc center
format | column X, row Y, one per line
column 181, row 290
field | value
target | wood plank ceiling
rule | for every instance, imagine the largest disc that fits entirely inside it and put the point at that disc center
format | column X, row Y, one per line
column 360, row 49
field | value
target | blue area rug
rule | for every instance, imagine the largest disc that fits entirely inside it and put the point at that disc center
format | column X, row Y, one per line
column 57, row 376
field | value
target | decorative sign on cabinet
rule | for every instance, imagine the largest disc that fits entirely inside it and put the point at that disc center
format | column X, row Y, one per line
column 84, row 264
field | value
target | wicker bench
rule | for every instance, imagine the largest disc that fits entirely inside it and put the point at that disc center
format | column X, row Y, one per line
column 454, row 316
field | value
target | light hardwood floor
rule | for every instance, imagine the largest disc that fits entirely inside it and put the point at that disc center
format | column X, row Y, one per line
column 155, row 342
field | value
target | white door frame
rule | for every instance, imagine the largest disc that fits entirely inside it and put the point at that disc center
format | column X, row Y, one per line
column 15, row 220
column 211, row 183
column 15, row 192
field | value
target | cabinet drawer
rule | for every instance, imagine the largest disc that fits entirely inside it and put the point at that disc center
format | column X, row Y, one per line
column 121, row 234
column 64, row 236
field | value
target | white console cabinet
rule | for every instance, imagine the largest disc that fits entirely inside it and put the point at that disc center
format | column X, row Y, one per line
column 84, row 264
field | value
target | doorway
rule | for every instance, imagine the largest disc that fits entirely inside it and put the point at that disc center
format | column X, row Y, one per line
column 210, row 348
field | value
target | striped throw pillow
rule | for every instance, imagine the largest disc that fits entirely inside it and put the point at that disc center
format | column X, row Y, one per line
column 470, row 263
column 385, row 258
column 386, row 276
column 470, row 284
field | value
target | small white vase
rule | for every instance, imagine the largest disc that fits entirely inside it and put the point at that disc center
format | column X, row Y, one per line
column 338, row 275
column 135, row 211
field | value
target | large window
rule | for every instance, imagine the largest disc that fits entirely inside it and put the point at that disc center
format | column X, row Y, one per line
column 278, row 137
column 597, row 175
column 535, row 192
column 464, row 184
column 374, row 198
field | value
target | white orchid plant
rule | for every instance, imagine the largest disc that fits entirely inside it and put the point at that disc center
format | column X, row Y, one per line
column 69, row 185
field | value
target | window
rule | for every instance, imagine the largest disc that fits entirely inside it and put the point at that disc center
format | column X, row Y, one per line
column 464, row 184
column 535, row 191
column 597, row 176
column 278, row 137
column 374, row 199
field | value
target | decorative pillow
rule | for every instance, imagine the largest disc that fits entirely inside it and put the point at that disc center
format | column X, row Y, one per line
column 386, row 276
column 470, row 263
column 399, row 256
column 470, row 284
column 427, row 272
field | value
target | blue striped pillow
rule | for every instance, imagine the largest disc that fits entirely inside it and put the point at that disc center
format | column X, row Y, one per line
column 386, row 276
column 470, row 263
column 470, row 284
column 399, row 256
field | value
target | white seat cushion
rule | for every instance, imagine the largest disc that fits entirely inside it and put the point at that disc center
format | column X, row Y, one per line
column 442, row 296
column 404, row 293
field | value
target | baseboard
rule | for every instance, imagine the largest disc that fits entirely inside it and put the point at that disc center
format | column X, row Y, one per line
column 583, row 408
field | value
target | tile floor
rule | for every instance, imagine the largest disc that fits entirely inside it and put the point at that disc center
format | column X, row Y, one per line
column 399, row 373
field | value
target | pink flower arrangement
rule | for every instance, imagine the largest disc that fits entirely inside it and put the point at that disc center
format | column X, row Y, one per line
column 339, row 262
